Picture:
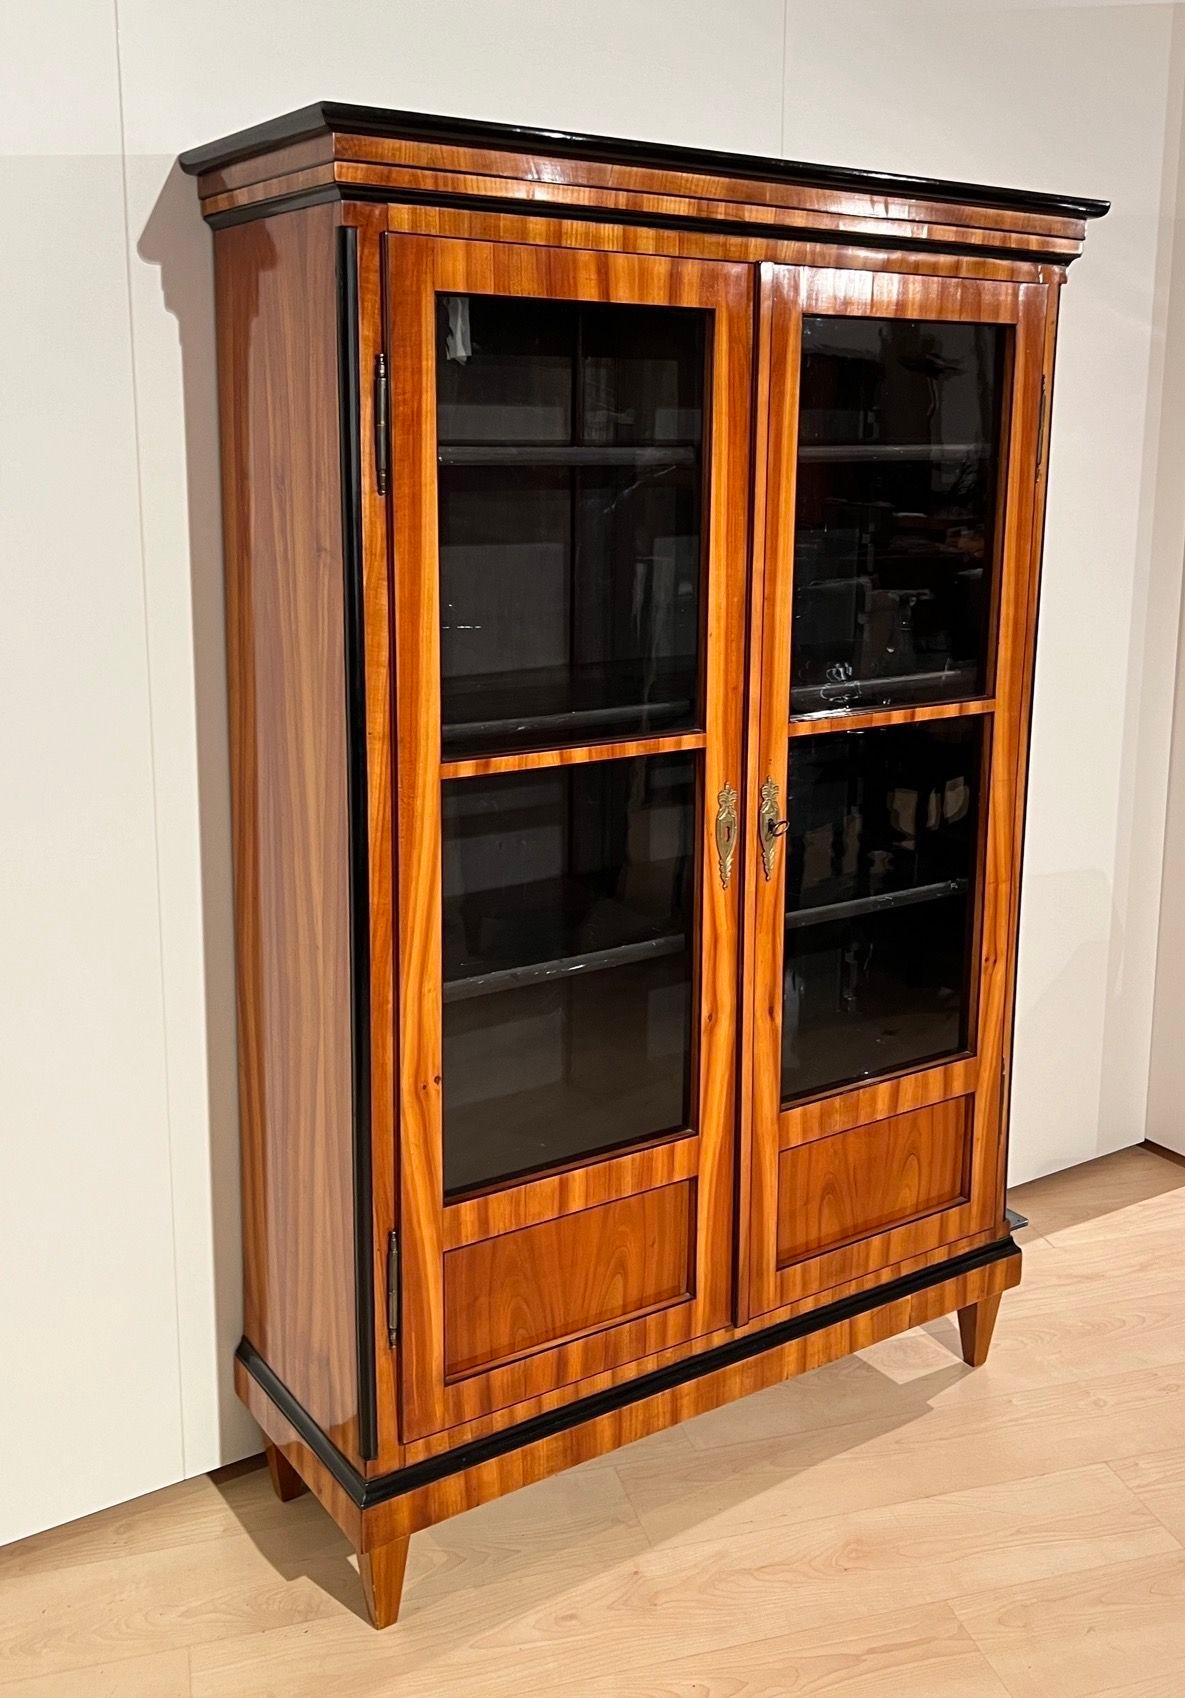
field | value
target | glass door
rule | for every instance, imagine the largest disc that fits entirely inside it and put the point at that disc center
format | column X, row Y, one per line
column 570, row 452
column 897, row 563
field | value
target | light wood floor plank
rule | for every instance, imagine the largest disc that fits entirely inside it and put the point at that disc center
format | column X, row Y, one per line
column 1158, row 1480
column 1076, row 1636
column 921, row 1653
column 163, row 1676
column 914, row 1451
column 892, row 1526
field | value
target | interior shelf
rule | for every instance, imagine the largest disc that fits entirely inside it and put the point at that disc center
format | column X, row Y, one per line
column 539, row 972
column 849, row 452
column 565, row 454
column 885, row 899
column 898, row 690
column 635, row 717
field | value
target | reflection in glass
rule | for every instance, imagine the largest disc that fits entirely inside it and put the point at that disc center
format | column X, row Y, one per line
column 570, row 470
column 568, row 901
column 879, row 900
column 895, row 511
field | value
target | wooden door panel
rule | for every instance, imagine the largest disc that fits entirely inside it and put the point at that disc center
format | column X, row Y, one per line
column 515, row 1287
column 831, row 1199
column 849, row 1186
column 510, row 1295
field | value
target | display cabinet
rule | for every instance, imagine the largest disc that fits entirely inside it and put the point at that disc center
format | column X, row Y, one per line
column 632, row 560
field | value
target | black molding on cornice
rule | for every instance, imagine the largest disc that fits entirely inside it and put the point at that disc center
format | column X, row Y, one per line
column 832, row 237
column 367, row 1494
column 325, row 117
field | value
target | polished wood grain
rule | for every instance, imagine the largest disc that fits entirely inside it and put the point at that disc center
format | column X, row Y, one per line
column 507, row 1296
column 849, row 1528
column 977, row 1322
column 853, row 1184
column 793, row 295
column 286, row 1482
column 381, row 1571
column 837, row 1111
column 669, row 205
column 370, row 223
column 539, row 166
column 487, row 1480
column 418, row 270
column 519, row 1298
column 534, row 760
column 282, row 1436
column 708, row 243
column 873, row 719
column 582, row 1186
column 429, row 168
column 276, row 291
column 499, row 1420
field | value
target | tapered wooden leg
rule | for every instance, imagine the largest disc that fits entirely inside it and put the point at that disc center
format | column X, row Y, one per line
column 977, row 1322
column 286, row 1482
column 382, row 1580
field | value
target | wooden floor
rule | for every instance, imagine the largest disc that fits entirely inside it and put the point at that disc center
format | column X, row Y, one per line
column 892, row 1526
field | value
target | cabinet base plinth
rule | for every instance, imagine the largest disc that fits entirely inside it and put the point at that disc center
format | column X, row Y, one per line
column 378, row 1515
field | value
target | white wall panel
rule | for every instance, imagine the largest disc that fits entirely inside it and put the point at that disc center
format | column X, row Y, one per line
column 90, row 1399
column 1075, row 100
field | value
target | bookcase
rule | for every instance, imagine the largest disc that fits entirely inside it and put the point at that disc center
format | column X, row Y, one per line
column 632, row 560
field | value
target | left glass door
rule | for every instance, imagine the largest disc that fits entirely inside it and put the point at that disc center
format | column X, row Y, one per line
column 570, row 457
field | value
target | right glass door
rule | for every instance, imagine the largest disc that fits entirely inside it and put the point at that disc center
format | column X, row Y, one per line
column 894, row 635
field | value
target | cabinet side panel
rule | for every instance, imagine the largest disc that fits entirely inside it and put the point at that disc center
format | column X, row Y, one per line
column 278, row 386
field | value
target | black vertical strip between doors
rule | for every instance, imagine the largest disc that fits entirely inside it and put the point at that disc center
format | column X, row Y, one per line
column 349, row 433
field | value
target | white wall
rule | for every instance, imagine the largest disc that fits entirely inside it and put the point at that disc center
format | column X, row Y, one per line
column 1166, row 1082
column 118, row 1195
column 1072, row 98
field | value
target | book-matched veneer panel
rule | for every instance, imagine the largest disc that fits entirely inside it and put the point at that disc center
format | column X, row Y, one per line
column 282, row 516
column 508, row 1295
column 846, row 1187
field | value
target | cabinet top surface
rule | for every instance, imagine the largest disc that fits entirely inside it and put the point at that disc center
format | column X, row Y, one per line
column 328, row 118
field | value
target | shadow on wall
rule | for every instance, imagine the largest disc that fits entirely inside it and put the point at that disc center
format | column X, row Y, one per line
column 177, row 241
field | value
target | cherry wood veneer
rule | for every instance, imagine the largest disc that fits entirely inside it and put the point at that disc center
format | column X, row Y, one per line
column 525, row 1326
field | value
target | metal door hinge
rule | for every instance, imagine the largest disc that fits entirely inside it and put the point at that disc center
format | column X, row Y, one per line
column 1041, row 426
column 382, row 423
column 393, row 1287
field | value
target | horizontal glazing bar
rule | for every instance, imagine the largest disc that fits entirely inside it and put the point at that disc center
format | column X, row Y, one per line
column 564, row 454
column 820, row 697
column 850, row 452
column 526, row 760
column 872, row 719
column 858, row 905
column 564, row 722
column 539, row 972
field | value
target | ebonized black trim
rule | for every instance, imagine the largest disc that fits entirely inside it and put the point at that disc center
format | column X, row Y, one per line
column 832, row 237
column 325, row 117
column 349, row 435
column 367, row 1494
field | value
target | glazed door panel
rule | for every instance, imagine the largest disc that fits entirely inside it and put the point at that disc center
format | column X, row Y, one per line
column 897, row 493
column 570, row 455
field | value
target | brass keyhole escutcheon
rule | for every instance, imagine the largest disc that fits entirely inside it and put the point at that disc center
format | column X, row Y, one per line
column 769, row 826
column 726, row 832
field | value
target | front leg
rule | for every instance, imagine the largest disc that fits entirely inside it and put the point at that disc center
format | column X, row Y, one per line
column 977, row 1322
column 382, row 1572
